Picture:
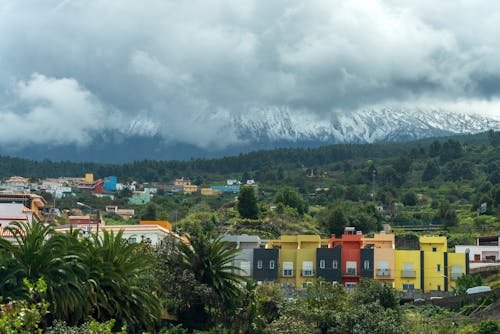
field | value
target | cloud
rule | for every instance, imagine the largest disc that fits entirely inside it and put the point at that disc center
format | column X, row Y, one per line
column 52, row 111
column 184, row 70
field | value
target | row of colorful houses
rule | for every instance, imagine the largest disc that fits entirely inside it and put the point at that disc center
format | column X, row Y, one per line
column 298, row 261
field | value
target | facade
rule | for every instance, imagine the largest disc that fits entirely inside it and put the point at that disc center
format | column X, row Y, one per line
column 110, row 183
column 246, row 244
column 351, row 243
column 33, row 202
column 152, row 232
column 265, row 264
column 189, row 189
column 297, row 254
column 328, row 264
column 486, row 249
column 227, row 189
column 431, row 268
column 140, row 198
column 209, row 192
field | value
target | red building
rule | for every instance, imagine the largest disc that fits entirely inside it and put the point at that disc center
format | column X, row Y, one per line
column 351, row 243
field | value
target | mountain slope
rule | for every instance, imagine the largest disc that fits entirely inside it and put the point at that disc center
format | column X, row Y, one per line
column 364, row 126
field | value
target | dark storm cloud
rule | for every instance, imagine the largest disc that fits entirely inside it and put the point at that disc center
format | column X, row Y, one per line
column 185, row 69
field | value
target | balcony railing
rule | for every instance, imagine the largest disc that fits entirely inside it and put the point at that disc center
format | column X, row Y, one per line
column 408, row 273
column 307, row 273
column 350, row 272
column 383, row 273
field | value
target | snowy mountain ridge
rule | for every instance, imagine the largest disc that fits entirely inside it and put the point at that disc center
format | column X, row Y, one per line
column 363, row 126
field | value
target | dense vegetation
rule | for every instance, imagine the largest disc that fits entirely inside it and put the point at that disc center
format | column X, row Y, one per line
column 67, row 284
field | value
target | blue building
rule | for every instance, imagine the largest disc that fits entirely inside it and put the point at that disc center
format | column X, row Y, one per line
column 110, row 183
column 227, row 189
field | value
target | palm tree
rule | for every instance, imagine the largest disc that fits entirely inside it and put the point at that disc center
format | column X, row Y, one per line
column 117, row 276
column 210, row 261
column 39, row 253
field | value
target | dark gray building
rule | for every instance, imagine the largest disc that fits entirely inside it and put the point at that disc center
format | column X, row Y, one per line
column 329, row 264
column 265, row 264
column 367, row 262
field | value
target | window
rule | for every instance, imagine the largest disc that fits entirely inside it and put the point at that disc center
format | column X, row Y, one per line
column 408, row 270
column 351, row 267
column 322, row 264
column 335, row 264
column 287, row 269
column 438, row 267
column 456, row 272
column 259, row 264
column 407, row 287
column 350, row 285
column 366, row 264
column 383, row 269
column 306, row 285
column 132, row 240
column 307, row 268
column 434, row 249
column 439, row 287
column 271, row 264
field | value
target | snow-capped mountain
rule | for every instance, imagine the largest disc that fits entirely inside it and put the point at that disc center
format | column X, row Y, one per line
column 363, row 126
column 264, row 129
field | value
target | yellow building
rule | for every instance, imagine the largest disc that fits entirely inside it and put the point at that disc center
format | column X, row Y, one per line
column 89, row 178
column 189, row 188
column 210, row 192
column 431, row 268
column 407, row 270
column 297, row 259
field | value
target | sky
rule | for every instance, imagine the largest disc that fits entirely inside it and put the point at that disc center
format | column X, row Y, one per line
column 184, row 69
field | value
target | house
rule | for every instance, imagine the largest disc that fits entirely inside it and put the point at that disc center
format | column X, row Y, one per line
column 431, row 268
column 209, row 192
column 15, row 212
column 110, row 183
column 227, row 189
column 92, row 187
column 18, row 183
column 486, row 249
column 351, row 243
column 189, row 189
column 124, row 213
column 244, row 259
column 33, row 202
column 140, row 198
column 183, row 181
column 297, row 256
column 152, row 232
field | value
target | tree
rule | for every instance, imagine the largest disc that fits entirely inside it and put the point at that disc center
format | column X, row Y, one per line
column 465, row 282
column 150, row 212
column 410, row 198
column 205, row 287
column 434, row 149
column 291, row 198
column 247, row 203
column 37, row 255
column 431, row 171
column 446, row 215
column 121, row 280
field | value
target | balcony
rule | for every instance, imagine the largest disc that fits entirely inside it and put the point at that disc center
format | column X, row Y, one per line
column 350, row 272
column 383, row 273
column 408, row 273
